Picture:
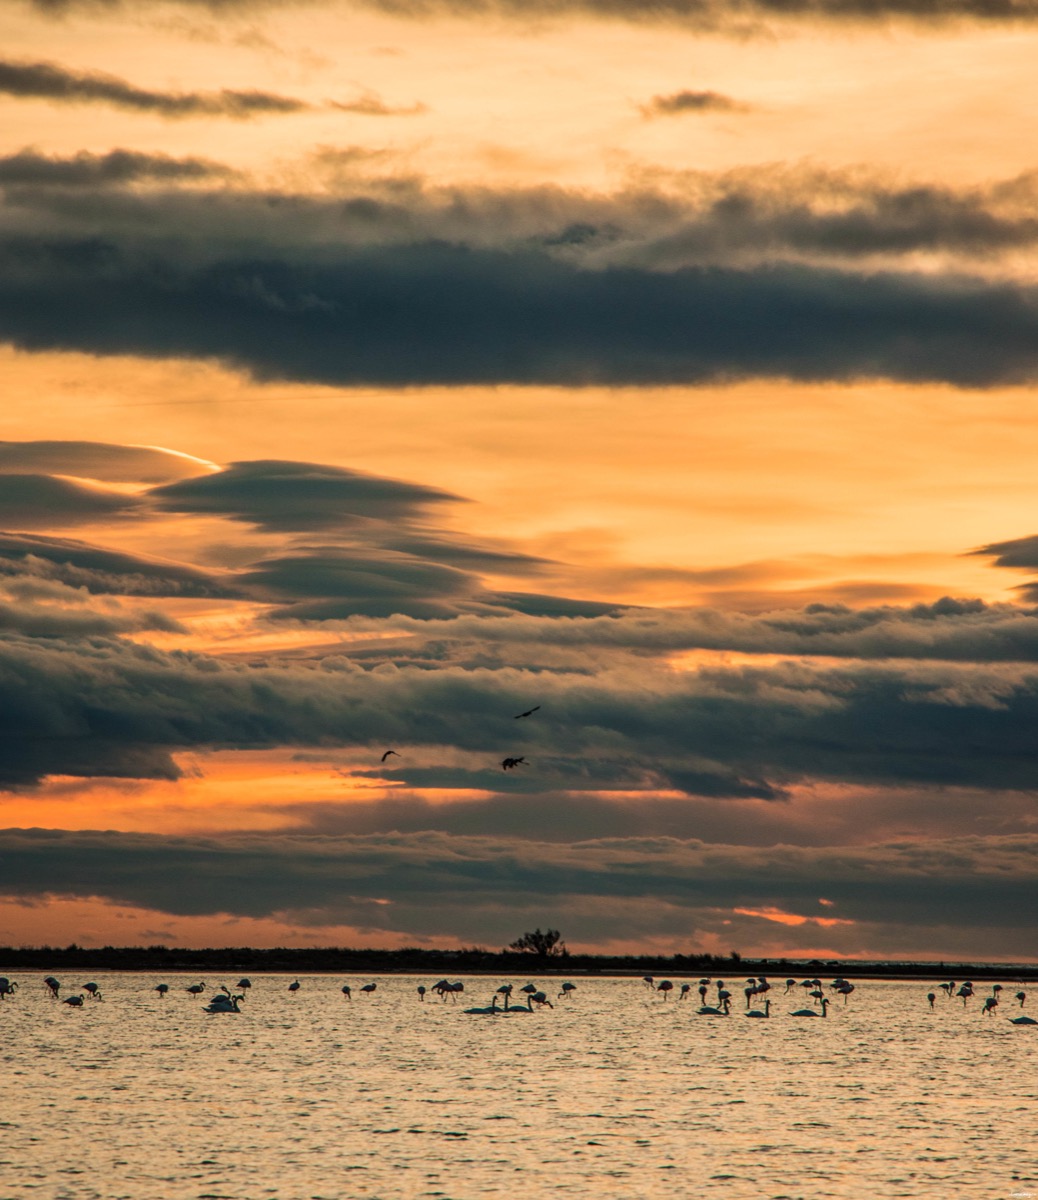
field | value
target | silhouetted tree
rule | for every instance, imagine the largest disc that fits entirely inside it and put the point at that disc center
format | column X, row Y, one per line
column 548, row 944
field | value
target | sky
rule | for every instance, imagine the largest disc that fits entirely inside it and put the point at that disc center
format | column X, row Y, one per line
column 376, row 371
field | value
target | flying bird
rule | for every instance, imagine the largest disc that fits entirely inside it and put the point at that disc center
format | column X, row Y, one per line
column 388, row 753
column 508, row 763
column 529, row 712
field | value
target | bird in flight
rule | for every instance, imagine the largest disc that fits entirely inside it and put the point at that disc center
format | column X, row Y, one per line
column 508, row 763
column 388, row 753
column 529, row 712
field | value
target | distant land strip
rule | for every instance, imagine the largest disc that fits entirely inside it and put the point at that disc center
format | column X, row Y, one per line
column 416, row 961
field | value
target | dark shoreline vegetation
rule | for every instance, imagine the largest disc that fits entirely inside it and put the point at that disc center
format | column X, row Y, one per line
column 475, row 961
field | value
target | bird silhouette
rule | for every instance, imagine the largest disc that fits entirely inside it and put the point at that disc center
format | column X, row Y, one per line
column 75, row 1001
column 53, row 985
column 529, row 712
column 492, row 1011
column 369, row 988
column 294, row 987
column 93, row 989
column 347, row 991
column 1023, row 1021
column 388, row 753
column 224, row 1002
column 756, row 1012
column 508, row 763
column 811, row 1012
column 162, row 989
column 196, row 989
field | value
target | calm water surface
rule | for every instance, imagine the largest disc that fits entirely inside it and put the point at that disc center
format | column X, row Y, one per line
column 615, row 1093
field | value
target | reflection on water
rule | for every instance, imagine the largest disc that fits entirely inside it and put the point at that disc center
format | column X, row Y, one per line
column 614, row 1093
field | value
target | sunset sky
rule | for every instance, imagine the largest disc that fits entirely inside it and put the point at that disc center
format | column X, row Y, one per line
column 375, row 372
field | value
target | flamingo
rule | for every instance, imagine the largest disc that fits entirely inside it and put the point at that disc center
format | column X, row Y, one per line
column 93, row 989
column 931, row 997
column 492, row 1011
column 505, row 990
column 368, row 988
column 685, row 989
column 421, row 993
column 666, row 987
column 990, row 1004
column 75, row 1001
column 790, row 985
column 294, row 987
column 541, row 999
column 53, row 985
column 1023, row 1021
column 649, row 980
column 528, row 989
column 708, row 1010
column 812, row 1012
column 756, row 1012
column 162, row 989
column 244, row 984
column 703, row 984
column 7, row 987
column 347, row 992
column 567, row 991
column 965, row 992
column 196, row 989
column 1021, row 996
column 224, row 1003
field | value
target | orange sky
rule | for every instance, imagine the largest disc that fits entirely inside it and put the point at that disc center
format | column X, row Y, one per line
column 750, row 335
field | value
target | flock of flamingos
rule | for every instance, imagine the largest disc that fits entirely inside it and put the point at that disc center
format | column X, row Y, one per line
column 223, row 1000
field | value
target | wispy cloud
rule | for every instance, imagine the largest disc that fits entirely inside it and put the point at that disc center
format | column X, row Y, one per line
column 50, row 81
column 678, row 103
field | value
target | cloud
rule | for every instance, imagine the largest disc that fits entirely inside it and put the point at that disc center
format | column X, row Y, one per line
column 434, row 313
column 281, row 495
column 958, row 630
column 34, row 501
column 679, row 103
column 484, row 887
column 739, row 16
column 116, row 168
column 80, row 565
column 107, row 461
column 369, row 104
column 744, row 731
column 50, row 81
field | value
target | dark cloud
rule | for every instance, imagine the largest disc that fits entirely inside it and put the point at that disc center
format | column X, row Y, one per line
column 43, row 501
column 741, row 16
column 958, row 630
column 483, row 887
column 1019, row 552
column 41, row 621
column 677, row 103
column 281, row 495
column 116, row 168
column 95, row 569
column 50, row 81
column 738, row 731
column 447, row 314
column 107, row 461
column 831, row 817
column 334, row 583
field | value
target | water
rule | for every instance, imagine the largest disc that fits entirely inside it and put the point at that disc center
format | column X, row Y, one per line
column 615, row 1093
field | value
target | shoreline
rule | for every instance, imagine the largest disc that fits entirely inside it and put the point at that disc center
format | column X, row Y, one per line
column 335, row 961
